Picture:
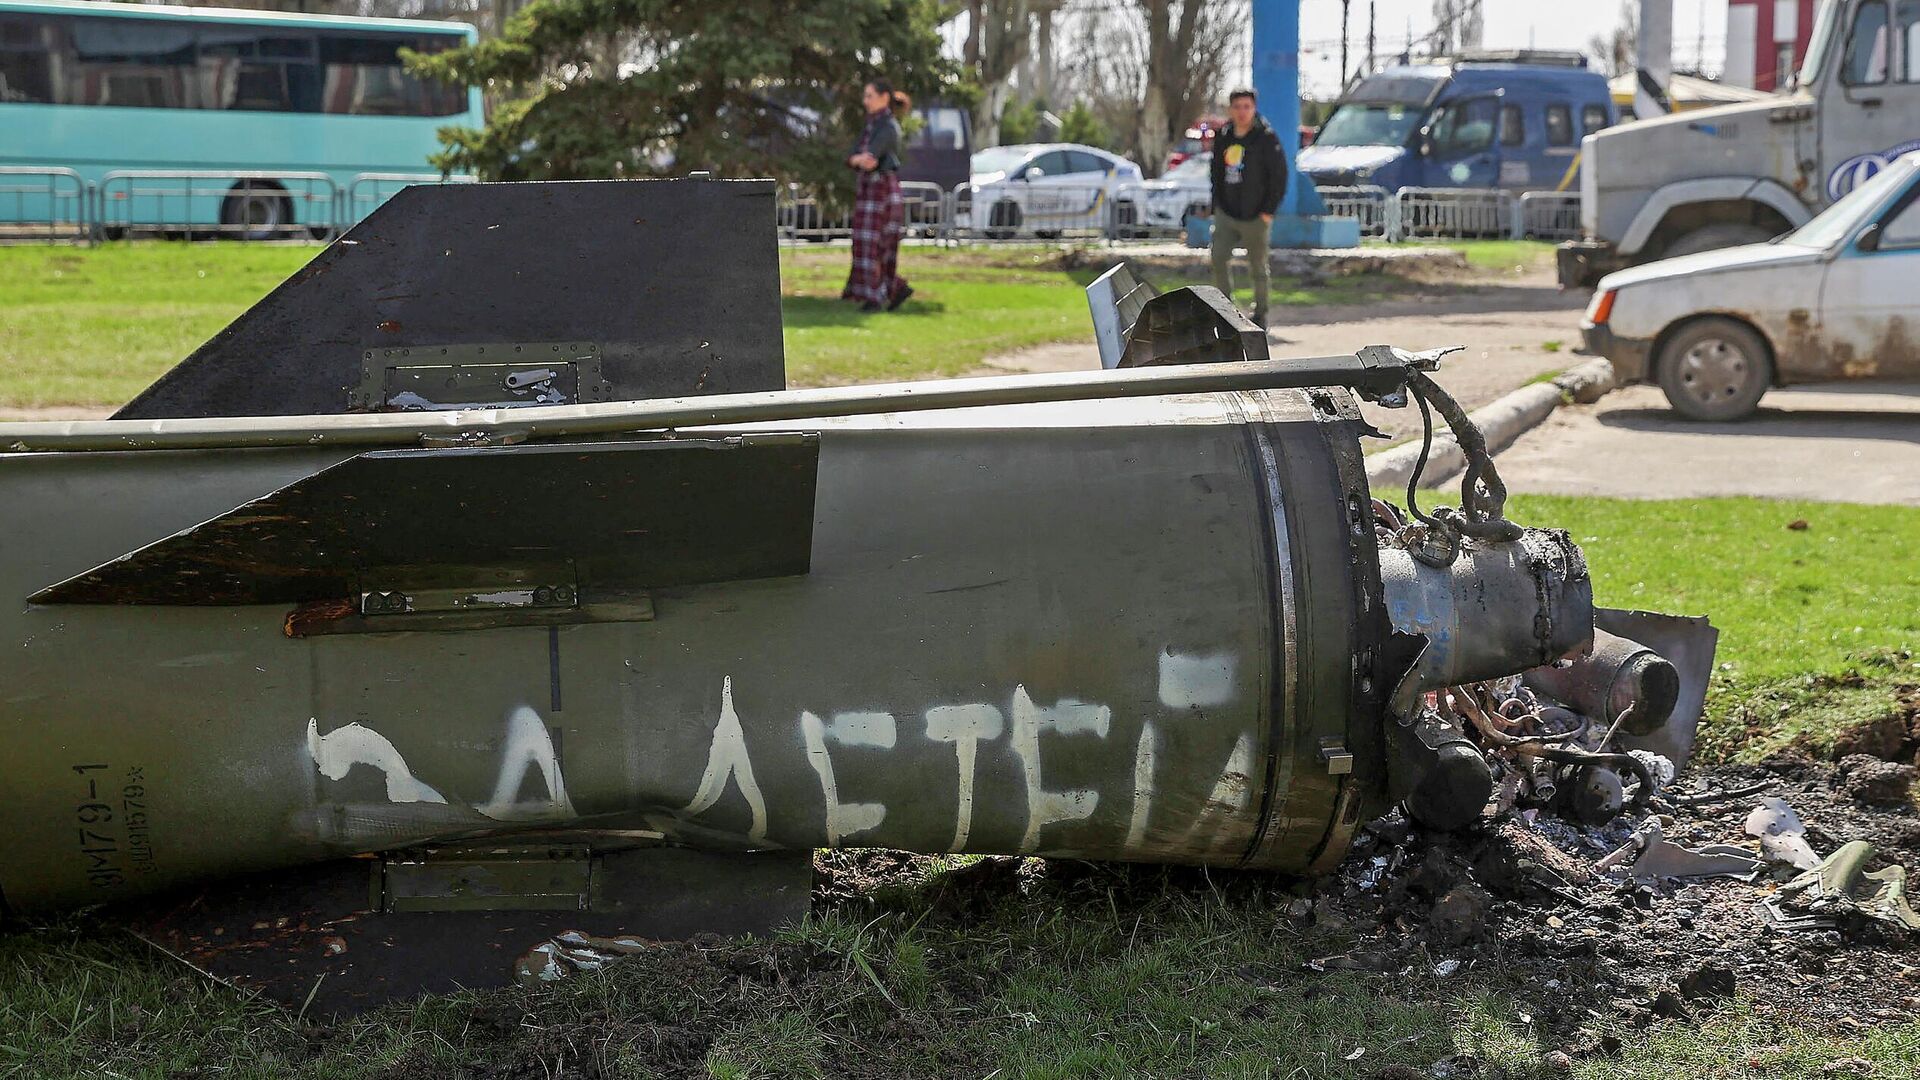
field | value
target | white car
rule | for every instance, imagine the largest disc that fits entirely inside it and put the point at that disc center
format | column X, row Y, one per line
column 1044, row 189
column 1833, row 299
column 1184, row 191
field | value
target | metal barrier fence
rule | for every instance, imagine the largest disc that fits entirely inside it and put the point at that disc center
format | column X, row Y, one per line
column 1547, row 215
column 367, row 191
column 249, row 204
column 47, row 203
column 1456, row 213
column 1041, row 211
column 1372, row 206
column 1157, row 212
column 50, row 204
column 799, row 215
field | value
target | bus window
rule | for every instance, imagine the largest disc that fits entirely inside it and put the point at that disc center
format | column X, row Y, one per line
column 242, row 69
column 362, row 76
column 1593, row 118
column 132, row 62
column 26, row 73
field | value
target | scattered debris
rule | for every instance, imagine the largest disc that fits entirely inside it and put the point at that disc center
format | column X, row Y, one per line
column 1842, row 886
column 1654, row 858
column 1583, row 947
column 568, row 952
column 1721, row 795
column 1782, row 836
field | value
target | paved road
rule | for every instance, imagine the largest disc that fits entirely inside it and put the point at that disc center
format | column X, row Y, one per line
column 1842, row 442
column 1513, row 334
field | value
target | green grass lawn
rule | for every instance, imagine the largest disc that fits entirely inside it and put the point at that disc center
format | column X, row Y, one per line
column 1816, row 624
column 94, row 326
column 1072, row 970
column 91, row 327
column 1501, row 255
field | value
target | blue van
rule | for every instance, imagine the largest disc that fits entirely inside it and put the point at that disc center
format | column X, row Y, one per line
column 1491, row 120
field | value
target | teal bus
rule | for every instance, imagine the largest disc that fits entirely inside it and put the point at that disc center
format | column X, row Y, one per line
column 207, row 121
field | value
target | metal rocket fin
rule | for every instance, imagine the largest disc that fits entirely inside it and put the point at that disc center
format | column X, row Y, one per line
column 485, row 525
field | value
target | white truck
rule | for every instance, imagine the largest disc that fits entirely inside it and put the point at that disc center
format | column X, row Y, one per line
column 1739, row 174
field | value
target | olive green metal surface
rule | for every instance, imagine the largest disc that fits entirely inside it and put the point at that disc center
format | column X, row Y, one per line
column 1133, row 628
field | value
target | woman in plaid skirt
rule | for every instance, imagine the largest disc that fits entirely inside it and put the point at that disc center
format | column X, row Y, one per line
column 879, row 213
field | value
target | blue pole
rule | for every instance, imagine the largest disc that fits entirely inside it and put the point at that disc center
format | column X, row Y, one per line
column 1276, row 78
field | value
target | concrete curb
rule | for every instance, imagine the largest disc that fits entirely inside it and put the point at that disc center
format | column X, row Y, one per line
column 1293, row 262
column 1503, row 420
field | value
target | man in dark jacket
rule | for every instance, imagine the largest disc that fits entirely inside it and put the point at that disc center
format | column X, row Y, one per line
column 1249, row 180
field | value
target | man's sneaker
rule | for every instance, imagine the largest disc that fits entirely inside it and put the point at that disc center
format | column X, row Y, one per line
column 900, row 298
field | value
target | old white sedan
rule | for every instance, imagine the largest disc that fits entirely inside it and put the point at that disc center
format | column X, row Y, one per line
column 1045, row 189
column 1833, row 299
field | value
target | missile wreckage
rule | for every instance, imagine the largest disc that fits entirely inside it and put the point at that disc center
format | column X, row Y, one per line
column 481, row 595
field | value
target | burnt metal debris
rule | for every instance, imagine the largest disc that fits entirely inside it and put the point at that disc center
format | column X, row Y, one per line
column 472, row 597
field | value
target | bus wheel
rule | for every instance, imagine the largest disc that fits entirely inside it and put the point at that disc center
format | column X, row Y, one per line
column 256, row 213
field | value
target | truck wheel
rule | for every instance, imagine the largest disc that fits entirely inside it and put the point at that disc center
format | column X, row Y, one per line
column 1715, row 369
column 1714, row 237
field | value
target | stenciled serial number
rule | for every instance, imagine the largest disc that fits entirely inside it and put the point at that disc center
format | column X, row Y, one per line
column 113, row 828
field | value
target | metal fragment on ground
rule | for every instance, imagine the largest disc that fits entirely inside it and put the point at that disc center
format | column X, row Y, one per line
column 1649, row 856
column 1783, row 838
column 1840, row 886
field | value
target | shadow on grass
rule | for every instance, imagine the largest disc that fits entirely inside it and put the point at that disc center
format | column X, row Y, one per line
column 819, row 311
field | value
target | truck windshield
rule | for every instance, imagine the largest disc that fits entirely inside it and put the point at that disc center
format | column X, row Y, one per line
column 1383, row 110
column 1821, row 42
column 1370, row 123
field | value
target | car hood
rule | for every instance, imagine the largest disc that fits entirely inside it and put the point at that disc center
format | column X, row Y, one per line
column 1346, row 159
column 1744, row 257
